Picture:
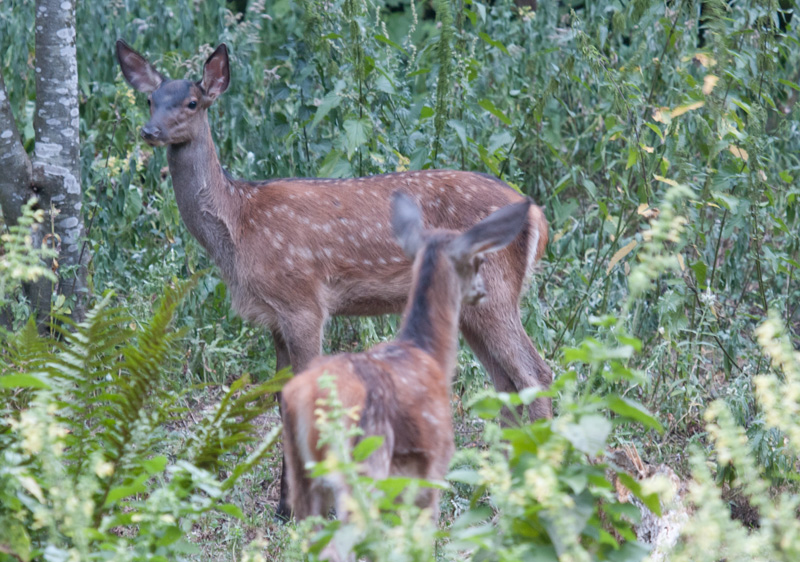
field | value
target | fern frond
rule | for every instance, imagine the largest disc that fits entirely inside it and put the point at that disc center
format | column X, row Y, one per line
column 231, row 423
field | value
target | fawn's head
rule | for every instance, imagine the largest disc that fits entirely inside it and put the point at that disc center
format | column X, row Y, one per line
column 178, row 108
column 454, row 256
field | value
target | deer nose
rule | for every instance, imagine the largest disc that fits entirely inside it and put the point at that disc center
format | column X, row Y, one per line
column 150, row 132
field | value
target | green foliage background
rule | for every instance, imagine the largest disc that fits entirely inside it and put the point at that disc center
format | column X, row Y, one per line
column 594, row 109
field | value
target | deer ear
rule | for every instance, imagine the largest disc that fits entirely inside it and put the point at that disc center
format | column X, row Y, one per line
column 137, row 71
column 407, row 223
column 493, row 233
column 216, row 73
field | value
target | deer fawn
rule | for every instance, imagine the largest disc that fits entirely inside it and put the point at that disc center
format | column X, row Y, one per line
column 400, row 388
column 295, row 251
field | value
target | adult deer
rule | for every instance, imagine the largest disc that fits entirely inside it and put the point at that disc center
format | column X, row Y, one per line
column 295, row 251
column 401, row 389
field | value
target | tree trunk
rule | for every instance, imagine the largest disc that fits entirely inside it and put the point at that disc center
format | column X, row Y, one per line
column 53, row 175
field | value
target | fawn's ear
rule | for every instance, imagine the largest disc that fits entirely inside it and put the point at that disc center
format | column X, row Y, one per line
column 407, row 223
column 216, row 73
column 137, row 71
column 493, row 233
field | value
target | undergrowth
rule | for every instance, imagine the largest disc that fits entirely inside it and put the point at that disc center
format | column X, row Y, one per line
column 661, row 138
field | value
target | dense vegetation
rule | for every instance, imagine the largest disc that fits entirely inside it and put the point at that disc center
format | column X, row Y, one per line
column 662, row 141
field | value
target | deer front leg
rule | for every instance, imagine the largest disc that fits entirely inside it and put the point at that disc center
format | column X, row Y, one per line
column 282, row 512
column 282, row 359
column 298, row 342
column 302, row 332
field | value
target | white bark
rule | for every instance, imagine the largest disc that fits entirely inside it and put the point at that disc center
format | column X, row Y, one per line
column 53, row 174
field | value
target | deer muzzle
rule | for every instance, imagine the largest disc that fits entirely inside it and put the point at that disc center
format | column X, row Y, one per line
column 152, row 135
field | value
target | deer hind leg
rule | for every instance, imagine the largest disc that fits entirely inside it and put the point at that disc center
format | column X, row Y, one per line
column 497, row 337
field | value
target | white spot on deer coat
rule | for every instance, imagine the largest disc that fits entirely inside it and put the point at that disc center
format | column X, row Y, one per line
column 6, row 134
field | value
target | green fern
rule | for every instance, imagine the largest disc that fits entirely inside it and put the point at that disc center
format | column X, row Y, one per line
column 87, row 410
column 231, row 422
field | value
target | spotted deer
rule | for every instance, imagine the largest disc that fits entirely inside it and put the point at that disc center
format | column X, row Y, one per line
column 295, row 251
column 401, row 389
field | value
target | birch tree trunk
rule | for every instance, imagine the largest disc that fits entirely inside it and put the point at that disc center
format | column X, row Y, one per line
column 53, row 174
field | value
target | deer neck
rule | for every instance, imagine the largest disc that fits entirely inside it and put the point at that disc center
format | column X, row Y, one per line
column 206, row 197
column 430, row 321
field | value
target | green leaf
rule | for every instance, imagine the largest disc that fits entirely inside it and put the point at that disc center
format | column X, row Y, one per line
column 631, row 551
column 385, row 85
column 633, row 154
column 633, row 410
column 700, row 270
column 426, row 112
column 493, row 42
column 171, row 534
column 489, row 106
column 329, row 102
column 156, row 465
column 418, row 72
column 486, row 408
column 356, row 133
column 589, row 434
column 461, row 132
column 14, row 537
column 656, row 130
column 590, row 187
column 499, row 140
column 121, row 492
column 232, row 510
column 335, row 165
column 465, row 476
column 529, row 394
column 387, row 41
column 22, row 380
column 650, row 500
column 366, row 447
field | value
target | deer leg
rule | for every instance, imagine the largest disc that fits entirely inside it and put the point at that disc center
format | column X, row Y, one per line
column 500, row 342
column 282, row 512
column 298, row 342
column 282, row 359
column 302, row 333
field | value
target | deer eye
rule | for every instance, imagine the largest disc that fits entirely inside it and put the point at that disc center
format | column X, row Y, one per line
column 192, row 104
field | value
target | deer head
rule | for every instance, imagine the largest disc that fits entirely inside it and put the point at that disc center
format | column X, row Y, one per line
column 178, row 108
